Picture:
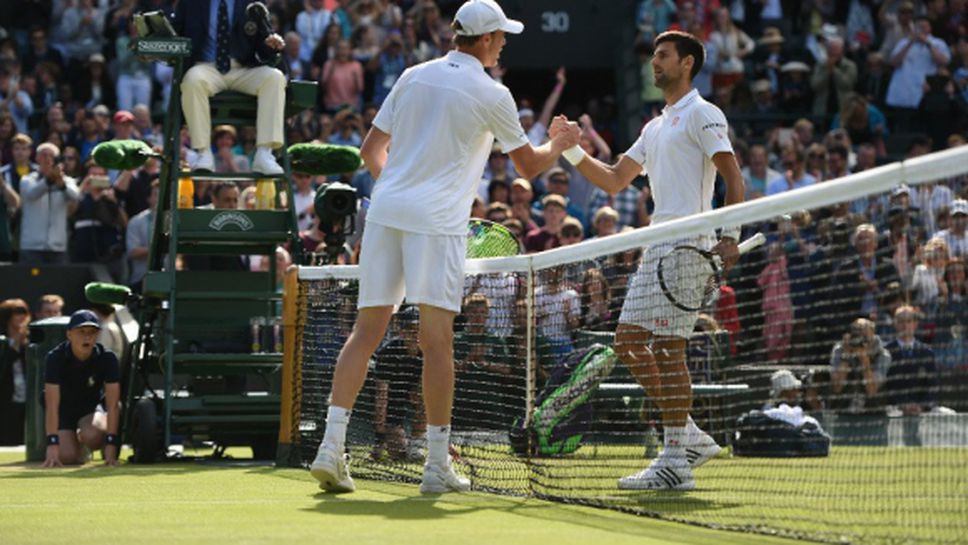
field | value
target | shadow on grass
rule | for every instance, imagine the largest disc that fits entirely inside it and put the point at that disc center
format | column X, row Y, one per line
column 415, row 507
column 405, row 503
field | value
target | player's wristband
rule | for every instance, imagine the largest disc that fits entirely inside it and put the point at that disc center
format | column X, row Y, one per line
column 731, row 232
column 574, row 154
column 112, row 439
column 53, row 439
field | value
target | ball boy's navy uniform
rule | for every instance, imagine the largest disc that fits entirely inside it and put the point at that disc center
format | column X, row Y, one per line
column 81, row 382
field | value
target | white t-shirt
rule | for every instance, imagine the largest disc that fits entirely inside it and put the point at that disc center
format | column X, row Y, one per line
column 676, row 150
column 303, row 201
column 501, row 291
column 554, row 310
column 442, row 117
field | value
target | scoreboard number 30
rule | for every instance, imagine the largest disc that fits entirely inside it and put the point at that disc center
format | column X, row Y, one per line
column 555, row 21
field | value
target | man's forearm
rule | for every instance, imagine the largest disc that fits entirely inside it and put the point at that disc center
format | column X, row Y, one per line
column 34, row 189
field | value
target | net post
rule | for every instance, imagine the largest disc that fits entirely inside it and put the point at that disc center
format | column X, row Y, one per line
column 529, row 357
column 291, row 368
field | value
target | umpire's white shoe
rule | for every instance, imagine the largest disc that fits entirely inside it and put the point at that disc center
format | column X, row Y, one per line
column 439, row 479
column 664, row 473
column 330, row 469
column 265, row 163
column 204, row 161
column 700, row 448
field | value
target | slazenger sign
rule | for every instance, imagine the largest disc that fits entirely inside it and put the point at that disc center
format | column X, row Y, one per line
column 238, row 219
column 170, row 47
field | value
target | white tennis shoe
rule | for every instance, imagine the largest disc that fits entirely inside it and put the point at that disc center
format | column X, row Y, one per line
column 439, row 479
column 700, row 448
column 331, row 470
column 664, row 473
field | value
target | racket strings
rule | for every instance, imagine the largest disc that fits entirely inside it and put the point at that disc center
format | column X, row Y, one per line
column 689, row 278
column 490, row 240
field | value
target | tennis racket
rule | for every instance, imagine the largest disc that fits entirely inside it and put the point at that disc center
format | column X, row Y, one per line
column 489, row 239
column 680, row 269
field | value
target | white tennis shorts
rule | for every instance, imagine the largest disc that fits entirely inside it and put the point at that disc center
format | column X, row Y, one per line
column 647, row 307
column 426, row 269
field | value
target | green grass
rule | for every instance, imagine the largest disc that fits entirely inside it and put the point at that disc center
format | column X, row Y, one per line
column 225, row 503
column 857, row 494
column 863, row 495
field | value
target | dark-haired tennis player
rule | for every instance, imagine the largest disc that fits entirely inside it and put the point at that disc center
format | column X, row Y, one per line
column 681, row 150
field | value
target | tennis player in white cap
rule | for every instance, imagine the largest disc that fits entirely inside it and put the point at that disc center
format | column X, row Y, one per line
column 427, row 150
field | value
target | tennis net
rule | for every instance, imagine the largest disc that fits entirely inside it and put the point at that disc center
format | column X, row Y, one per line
column 834, row 427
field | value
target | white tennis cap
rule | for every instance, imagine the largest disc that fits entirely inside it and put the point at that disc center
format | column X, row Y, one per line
column 478, row 17
column 783, row 380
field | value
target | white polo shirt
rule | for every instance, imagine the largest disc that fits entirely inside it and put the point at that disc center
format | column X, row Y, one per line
column 442, row 117
column 676, row 150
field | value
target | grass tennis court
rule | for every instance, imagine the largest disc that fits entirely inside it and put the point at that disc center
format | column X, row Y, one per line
column 206, row 502
column 241, row 503
column 857, row 494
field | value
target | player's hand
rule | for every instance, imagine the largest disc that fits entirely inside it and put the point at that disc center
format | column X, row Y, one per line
column 497, row 71
column 558, row 123
column 561, row 75
column 728, row 251
column 569, row 136
column 53, row 456
column 275, row 41
column 110, row 455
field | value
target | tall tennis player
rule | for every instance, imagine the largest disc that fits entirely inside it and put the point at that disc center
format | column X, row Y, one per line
column 681, row 150
column 427, row 150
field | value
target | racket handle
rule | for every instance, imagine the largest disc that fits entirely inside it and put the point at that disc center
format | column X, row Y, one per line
column 751, row 243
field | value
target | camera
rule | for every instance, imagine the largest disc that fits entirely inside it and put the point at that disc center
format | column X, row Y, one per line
column 100, row 182
column 334, row 203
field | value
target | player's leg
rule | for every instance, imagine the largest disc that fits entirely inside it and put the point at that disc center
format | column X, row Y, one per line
column 632, row 347
column 675, row 385
column 199, row 83
column 434, row 271
column 351, row 365
column 329, row 467
column 651, row 360
column 269, row 86
column 437, row 344
column 651, row 341
column 381, row 287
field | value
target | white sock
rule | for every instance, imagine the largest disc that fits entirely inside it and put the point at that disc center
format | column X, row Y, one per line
column 438, row 442
column 675, row 441
column 337, row 418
